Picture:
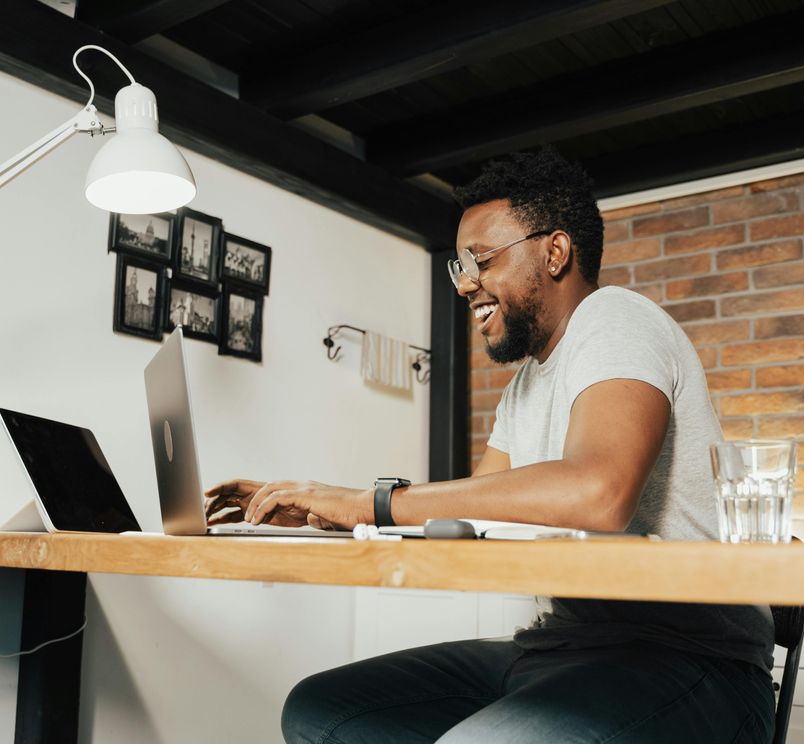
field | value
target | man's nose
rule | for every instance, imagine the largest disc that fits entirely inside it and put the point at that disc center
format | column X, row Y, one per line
column 466, row 286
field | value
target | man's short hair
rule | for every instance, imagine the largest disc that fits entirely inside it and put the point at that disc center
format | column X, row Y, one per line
column 545, row 192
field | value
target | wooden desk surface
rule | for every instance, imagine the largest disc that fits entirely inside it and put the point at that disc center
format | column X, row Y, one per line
column 612, row 568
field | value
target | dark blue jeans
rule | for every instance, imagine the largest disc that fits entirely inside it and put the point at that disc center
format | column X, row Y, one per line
column 490, row 691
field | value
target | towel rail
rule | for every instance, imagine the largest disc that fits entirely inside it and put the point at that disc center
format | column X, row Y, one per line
column 422, row 375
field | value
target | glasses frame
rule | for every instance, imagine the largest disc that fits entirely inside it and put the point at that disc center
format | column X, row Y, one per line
column 469, row 263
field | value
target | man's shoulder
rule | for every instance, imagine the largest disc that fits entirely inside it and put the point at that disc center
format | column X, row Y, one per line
column 613, row 327
column 623, row 309
column 616, row 297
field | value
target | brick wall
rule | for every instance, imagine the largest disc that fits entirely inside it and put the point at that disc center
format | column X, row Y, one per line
column 728, row 266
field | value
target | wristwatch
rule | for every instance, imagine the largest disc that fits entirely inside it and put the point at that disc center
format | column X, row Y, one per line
column 383, row 488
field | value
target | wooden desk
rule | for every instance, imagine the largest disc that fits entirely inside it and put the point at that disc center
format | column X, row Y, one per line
column 611, row 568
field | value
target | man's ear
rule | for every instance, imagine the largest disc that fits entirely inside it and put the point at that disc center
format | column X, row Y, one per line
column 558, row 253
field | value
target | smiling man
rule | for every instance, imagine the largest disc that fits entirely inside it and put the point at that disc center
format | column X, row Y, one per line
column 605, row 426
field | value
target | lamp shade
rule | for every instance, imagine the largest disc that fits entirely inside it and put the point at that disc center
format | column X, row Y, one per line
column 138, row 171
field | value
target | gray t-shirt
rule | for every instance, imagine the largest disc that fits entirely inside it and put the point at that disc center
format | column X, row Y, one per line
column 615, row 333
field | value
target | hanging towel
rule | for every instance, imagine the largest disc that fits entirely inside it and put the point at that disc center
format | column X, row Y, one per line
column 385, row 361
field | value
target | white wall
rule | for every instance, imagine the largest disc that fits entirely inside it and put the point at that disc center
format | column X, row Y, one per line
column 174, row 660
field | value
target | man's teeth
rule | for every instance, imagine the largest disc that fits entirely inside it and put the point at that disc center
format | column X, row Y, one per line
column 484, row 311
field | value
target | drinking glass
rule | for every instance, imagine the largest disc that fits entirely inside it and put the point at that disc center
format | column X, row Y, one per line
column 754, row 481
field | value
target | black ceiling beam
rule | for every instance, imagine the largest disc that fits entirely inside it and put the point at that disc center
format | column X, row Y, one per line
column 775, row 139
column 37, row 44
column 420, row 45
column 134, row 20
column 759, row 56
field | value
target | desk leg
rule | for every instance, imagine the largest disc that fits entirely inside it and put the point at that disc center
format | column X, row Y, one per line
column 49, row 686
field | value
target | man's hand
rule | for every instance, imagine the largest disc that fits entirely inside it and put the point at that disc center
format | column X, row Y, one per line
column 289, row 504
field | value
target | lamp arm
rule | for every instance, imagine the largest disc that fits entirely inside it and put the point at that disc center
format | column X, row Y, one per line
column 86, row 120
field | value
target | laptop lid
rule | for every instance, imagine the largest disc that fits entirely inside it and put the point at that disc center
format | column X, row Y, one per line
column 72, row 484
column 173, row 439
column 176, row 456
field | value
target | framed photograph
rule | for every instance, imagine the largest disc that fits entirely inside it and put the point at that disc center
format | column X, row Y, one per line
column 241, row 323
column 138, row 297
column 198, row 246
column 195, row 307
column 149, row 236
column 245, row 262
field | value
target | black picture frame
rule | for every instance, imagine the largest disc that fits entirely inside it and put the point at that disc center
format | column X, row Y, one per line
column 198, row 244
column 138, row 297
column 148, row 236
column 241, row 337
column 245, row 262
column 196, row 306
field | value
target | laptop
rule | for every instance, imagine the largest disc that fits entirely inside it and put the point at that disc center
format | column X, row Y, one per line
column 72, row 486
column 181, row 495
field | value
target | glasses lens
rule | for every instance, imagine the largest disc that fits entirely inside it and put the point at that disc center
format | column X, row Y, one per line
column 454, row 267
column 468, row 264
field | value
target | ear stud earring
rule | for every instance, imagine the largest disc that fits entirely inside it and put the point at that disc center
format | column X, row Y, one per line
column 553, row 267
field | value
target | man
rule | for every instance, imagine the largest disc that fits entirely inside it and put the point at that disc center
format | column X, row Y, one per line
column 604, row 427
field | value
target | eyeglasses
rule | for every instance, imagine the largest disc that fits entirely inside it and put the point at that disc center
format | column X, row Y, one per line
column 468, row 263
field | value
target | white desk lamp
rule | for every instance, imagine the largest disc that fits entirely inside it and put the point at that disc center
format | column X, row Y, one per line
column 136, row 172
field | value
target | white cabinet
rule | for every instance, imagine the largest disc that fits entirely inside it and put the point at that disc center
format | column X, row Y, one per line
column 795, row 731
column 392, row 619
column 501, row 614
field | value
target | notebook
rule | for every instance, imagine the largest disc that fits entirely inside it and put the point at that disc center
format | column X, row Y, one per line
column 491, row 530
column 71, row 484
column 181, row 495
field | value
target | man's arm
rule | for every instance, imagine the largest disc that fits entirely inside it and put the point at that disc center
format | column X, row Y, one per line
column 615, row 434
column 493, row 461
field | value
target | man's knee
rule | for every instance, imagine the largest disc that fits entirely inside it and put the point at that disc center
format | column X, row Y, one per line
column 305, row 714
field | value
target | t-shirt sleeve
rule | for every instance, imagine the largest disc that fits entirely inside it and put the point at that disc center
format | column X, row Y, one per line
column 623, row 339
column 499, row 432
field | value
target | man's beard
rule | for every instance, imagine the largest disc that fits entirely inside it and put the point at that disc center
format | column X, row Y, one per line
column 524, row 335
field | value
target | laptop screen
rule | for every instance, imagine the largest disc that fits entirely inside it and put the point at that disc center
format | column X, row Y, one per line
column 75, row 484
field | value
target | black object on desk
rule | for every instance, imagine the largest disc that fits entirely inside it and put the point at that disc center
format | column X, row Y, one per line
column 449, row 529
column 73, row 483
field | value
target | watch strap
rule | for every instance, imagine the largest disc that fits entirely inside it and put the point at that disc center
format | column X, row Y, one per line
column 383, row 489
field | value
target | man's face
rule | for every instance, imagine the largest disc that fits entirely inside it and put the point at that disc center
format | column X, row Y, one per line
column 508, row 304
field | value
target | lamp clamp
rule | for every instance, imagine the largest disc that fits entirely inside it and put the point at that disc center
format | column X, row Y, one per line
column 87, row 121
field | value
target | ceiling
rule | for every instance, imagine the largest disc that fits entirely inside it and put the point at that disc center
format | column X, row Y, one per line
column 378, row 108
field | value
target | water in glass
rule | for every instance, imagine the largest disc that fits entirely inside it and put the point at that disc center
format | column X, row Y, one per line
column 754, row 490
